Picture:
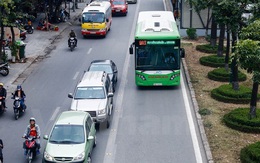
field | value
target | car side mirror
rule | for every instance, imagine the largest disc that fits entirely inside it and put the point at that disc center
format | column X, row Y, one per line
column 46, row 137
column 70, row 95
column 90, row 137
column 110, row 94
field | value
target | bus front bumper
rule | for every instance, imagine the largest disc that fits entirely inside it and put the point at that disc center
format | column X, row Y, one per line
column 94, row 33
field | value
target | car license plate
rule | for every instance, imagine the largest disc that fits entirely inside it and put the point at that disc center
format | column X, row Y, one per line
column 117, row 10
column 92, row 32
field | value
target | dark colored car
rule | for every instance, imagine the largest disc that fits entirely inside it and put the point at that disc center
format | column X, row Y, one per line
column 108, row 66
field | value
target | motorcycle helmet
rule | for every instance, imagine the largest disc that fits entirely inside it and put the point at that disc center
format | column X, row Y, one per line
column 1, row 84
column 32, row 119
column 19, row 87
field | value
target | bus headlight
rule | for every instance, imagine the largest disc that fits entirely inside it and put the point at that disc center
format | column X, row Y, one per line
column 174, row 76
column 141, row 76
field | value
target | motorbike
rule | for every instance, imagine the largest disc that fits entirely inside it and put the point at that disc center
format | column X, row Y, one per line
column 30, row 145
column 4, row 69
column 29, row 28
column 72, row 43
column 18, row 108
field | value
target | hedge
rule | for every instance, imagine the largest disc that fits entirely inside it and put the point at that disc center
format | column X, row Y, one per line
column 220, row 74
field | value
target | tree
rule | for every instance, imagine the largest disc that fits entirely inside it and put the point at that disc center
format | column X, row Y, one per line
column 5, row 7
column 248, row 55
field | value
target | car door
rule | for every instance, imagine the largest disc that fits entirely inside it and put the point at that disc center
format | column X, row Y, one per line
column 89, row 143
column 109, row 89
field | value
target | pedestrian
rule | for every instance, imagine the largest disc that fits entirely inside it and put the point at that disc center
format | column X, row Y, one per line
column 1, row 153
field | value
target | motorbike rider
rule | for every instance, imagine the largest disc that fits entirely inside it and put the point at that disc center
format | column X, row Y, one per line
column 20, row 93
column 72, row 34
column 32, row 130
column 2, row 96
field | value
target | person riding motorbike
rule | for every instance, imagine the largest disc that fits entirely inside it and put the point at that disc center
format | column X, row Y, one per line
column 2, row 96
column 72, row 34
column 32, row 130
column 20, row 93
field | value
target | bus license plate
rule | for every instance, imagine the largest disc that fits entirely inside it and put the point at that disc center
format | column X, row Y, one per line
column 117, row 10
column 92, row 32
column 158, row 84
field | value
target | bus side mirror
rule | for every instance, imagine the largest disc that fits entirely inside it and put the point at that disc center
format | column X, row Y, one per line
column 131, row 48
column 182, row 52
column 106, row 20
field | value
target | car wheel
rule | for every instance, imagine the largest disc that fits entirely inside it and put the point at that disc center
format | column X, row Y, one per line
column 95, row 142
column 108, row 121
column 89, row 159
column 97, row 126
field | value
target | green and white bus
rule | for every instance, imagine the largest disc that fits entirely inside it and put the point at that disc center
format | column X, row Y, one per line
column 157, row 49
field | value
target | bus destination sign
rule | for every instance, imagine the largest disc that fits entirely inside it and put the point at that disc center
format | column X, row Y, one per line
column 159, row 42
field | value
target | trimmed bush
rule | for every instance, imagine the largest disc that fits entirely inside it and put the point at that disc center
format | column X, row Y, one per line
column 225, row 93
column 220, row 74
column 212, row 61
column 207, row 48
column 250, row 153
column 239, row 119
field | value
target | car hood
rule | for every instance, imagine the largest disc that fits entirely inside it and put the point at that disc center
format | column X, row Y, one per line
column 65, row 150
column 88, row 104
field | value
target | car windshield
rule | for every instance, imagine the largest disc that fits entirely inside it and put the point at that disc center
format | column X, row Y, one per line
column 67, row 134
column 90, row 93
column 118, row 3
column 101, row 67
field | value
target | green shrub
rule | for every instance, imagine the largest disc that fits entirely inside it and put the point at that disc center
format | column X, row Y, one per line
column 212, row 61
column 250, row 153
column 226, row 93
column 239, row 119
column 204, row 111
column 220, row 74
column 191, row 32
column 207, row 48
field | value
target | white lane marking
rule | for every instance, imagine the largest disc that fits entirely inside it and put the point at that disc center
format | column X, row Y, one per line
column 191, row 123
column 111, row 147
column 56, row 111
column 75, row 76
column 89, row 51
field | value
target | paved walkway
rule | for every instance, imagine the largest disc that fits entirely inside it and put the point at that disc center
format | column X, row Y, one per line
column 37, row 44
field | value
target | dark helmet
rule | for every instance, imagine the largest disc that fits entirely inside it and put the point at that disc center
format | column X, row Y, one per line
column 19, row 87
column 32, row 119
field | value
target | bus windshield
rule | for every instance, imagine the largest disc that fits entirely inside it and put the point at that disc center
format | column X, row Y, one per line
column 157, row 57
column 96, row 17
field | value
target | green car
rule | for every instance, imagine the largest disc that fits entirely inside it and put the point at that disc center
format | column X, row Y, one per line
column 71, row 139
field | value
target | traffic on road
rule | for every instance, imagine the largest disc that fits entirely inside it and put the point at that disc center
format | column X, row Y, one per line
column 108, row 117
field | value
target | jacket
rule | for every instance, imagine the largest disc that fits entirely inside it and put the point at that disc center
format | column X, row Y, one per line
column 28, row 130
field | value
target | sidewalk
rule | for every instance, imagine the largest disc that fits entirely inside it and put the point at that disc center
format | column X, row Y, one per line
column 37, row 44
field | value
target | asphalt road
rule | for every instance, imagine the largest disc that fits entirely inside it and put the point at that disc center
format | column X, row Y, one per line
column 152, row 125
